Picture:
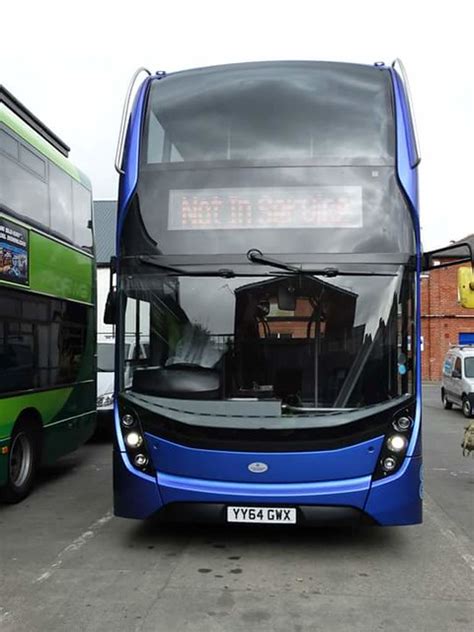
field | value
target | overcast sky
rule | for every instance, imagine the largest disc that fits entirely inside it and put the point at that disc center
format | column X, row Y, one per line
column 70, row 63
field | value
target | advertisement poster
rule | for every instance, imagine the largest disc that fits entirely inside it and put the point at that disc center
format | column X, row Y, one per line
column 13, row 252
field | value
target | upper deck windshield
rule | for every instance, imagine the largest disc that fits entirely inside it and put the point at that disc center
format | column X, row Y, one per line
column 287, row 157
column 328, row 113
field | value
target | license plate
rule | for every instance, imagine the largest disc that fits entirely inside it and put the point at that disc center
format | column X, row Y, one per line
column 264, row 515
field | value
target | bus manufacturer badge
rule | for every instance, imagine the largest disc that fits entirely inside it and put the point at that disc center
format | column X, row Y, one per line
column 258, row 468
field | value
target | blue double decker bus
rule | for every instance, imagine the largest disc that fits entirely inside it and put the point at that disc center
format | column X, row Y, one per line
column 269, row 261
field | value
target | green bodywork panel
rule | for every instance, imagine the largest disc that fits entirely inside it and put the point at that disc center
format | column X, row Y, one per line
column 57, row 269
column 15, row 123
column 65, row 424
column 48, row 403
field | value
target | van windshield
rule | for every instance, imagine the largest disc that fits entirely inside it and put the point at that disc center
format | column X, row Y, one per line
column 105, row 356
column 469, row 367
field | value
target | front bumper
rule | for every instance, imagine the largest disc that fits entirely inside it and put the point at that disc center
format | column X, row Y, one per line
column 395, row 500
column 307, row 515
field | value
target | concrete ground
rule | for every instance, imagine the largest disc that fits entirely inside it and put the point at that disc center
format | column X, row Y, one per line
column 67, row 564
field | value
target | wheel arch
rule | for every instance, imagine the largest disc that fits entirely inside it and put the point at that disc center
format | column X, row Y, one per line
column 32, row 417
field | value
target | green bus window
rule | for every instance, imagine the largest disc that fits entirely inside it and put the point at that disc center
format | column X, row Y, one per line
column 16, row 359
column 82, row 214
column 32, row 161
column 23, row 191
column 61, row 201
column 42, row 342
column 8, row 144
column 43, row 365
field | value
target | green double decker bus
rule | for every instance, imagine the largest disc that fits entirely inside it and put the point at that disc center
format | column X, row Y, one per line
column 47, row 300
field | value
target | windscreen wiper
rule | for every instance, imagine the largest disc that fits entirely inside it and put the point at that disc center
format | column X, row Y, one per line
column 226, row 273
column 256, row 256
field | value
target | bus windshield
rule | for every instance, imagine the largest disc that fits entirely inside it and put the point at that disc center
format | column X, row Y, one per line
column 297, row 344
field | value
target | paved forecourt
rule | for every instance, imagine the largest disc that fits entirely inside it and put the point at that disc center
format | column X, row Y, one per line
column 67, row 564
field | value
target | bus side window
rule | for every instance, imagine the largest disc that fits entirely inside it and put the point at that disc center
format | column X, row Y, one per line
column 21, row 188
column 82, row 216
column 61, row 201
column 156, row 140
column 8, row 144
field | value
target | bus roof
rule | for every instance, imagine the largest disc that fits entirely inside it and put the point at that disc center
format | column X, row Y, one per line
column 24, row 123
column 33, row 121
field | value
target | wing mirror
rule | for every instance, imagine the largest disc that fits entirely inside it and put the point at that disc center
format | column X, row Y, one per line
column 110, row 312
column 430, row 260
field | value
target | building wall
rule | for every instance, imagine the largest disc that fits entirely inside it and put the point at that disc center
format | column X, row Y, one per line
column 442, row 319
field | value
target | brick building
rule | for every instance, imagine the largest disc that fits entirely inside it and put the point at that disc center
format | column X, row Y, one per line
column 443, row 321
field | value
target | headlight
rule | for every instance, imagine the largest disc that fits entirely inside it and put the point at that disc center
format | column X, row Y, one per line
column 396, row 443
column 402, row 424
column 133, row 439
column 389, row 464
column 105, row 400
column 128, row 420
column 399, row 431
column 140, row 460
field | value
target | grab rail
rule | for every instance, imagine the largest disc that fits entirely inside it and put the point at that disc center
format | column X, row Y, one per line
column 404, row 77
column 124, row 122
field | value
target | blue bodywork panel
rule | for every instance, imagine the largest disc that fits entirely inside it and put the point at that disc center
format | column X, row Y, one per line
column 283, row 467
column 408, row 178
column 351, row 493
column 337, row 477
column 135, row 495
column 397, row 500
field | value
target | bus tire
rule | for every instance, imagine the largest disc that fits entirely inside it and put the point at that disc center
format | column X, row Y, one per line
column 22, row 463
column 466, row 407
column 446, row 403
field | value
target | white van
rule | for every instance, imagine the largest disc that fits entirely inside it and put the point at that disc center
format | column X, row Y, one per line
column 105, row 372
column 457, row 386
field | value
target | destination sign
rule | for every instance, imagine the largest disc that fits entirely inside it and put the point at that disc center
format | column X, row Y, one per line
column 265, row 207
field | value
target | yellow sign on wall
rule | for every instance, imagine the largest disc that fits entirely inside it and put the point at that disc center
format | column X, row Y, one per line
column 466, row 287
